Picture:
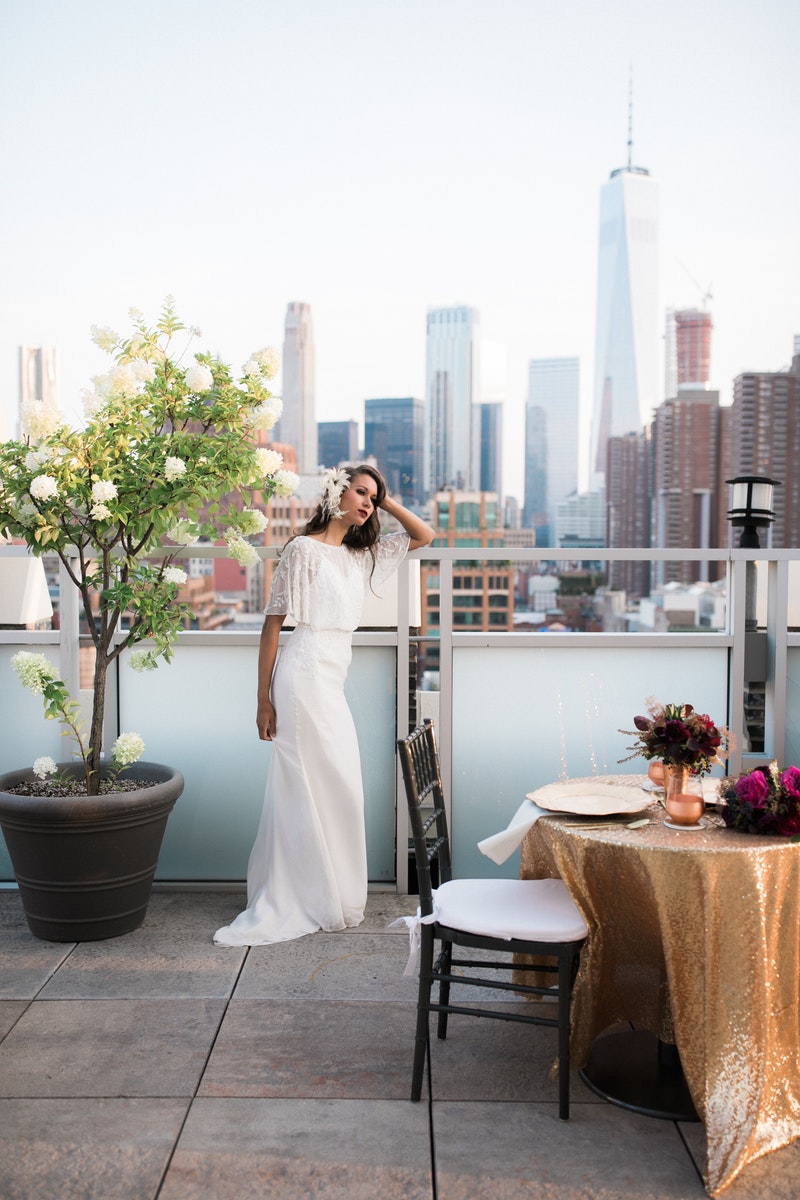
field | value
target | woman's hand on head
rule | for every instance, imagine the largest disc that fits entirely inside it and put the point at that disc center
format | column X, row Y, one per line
column 265, row 720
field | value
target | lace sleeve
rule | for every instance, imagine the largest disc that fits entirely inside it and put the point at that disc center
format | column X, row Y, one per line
column 390, row 551
column 291, row 584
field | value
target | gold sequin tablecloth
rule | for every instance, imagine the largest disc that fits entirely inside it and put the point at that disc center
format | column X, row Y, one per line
column 694, row 936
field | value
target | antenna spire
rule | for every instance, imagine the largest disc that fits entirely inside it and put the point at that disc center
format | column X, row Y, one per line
column 630, row 116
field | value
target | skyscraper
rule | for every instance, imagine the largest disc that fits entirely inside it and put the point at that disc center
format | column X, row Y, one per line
column 687, row 357
column 534, row 514
column 337, row 442
column 298, row 425
column 38, row 375
column 491, row 448
column 626, row 387
column 394, row 432
column 451, row 393
column 553, row 386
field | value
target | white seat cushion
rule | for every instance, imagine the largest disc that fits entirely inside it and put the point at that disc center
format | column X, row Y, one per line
column 531, row 909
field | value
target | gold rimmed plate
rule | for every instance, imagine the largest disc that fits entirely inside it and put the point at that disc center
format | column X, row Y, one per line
column 591, row 799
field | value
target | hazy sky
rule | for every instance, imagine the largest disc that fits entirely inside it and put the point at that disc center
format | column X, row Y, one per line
column 376, row 158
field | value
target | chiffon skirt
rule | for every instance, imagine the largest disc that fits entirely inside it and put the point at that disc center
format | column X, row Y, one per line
column 308, row 866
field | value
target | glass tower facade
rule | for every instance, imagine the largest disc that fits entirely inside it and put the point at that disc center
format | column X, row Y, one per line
column 452, row 446
column 553, row 387
column 626, row 386
column 394, row 432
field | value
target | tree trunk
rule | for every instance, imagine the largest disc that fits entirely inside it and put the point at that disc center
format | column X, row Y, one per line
column 98, row 709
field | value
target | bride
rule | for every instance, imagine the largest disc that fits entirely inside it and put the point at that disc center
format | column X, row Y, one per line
column 308, row 865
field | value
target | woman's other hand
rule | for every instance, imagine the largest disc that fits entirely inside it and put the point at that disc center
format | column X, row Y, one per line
column 265, row 720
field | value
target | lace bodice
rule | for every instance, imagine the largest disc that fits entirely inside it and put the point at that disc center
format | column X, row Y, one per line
column 325, row 586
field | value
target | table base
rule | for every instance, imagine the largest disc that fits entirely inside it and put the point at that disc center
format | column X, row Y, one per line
column 637, row 1071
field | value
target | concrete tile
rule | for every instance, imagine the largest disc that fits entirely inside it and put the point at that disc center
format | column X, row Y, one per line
column 302, row 1150
column 383, row 908
column 271, row 1048
column 773, row 1177
column 108, row 1048
column 498, row 1060
column 171, row 955
column 516, row 1151
column 26, row 963
column 85, row 1149
column 10, row 1012
column 11, row 912
column 329, row 966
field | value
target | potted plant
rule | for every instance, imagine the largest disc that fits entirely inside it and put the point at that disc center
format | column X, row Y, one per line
column 167, row 456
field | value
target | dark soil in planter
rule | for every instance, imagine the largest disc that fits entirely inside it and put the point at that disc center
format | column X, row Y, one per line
column 77, row 787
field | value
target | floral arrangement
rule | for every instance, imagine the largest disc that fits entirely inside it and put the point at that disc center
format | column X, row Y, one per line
column 679, row 736
column 765, row 800
column 167, row 455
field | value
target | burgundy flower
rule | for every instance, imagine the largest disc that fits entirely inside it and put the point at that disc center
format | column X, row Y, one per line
column 790, row 780
column 753, row 789
column 789, row 824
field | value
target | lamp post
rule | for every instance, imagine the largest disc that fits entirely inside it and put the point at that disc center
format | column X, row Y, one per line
column 751, row 510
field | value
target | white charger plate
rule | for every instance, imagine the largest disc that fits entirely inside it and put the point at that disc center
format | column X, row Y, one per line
column 591, row 799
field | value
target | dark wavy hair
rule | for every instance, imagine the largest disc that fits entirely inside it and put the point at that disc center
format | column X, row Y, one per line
column 358, row 537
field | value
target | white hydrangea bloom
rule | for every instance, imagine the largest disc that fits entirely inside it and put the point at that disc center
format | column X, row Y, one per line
column 266, row 415
column 122, row 381
column 184, row 532
column 143, row 370
column 26, row 510
column 127, row 749
column 35, row 459
column 252, row 521
column 92, row 402
column 104, row 337
column 44, row 487
column 104, row 490
column 34, row 670
column 174, row 468
column 269, row 361
column 251, row 369
column 240, row 550
column 40, row 420
column 44, row 766
column 267, row 462
column 199, row 377
column 101, row 512
column 175, row 575
column 286, row 483
column 142, row 660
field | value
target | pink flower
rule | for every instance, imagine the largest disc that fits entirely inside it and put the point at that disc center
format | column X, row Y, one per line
column 753, row 789
column 790, row 780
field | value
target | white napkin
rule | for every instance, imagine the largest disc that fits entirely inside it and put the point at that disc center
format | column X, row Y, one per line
column 501, row 846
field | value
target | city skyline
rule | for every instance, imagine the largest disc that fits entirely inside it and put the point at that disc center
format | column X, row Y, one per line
column 312, row 171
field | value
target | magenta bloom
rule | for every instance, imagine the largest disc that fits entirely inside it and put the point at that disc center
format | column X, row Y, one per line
column 753, row 789
column 790, row 780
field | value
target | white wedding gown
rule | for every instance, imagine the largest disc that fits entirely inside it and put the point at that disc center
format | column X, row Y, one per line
column 308, row 865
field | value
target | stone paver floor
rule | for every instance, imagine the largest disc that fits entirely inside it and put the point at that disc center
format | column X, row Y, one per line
column 157, row 1066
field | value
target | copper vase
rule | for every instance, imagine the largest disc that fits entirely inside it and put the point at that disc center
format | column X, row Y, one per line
column 683, row 796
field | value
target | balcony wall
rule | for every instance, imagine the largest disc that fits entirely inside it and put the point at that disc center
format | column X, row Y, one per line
column 514, row 711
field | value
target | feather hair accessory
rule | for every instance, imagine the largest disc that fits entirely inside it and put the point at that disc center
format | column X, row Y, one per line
column 335, row 482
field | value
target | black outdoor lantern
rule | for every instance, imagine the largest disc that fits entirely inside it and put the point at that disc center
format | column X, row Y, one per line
column 751, row 506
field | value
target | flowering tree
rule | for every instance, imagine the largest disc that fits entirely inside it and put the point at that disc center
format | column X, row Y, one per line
column 167, row 455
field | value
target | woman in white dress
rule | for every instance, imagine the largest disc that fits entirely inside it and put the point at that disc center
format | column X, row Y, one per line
column 308, row 865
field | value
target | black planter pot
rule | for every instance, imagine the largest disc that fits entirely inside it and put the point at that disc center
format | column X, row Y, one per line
column 85, row 864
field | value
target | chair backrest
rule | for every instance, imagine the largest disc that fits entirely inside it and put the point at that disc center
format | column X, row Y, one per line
column 423, row 783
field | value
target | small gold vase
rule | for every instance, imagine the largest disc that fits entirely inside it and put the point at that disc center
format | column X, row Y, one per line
column 683, row 796
column 655, row 772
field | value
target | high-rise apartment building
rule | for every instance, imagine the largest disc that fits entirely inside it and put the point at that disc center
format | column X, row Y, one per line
column 337, row 442
column 553, row 387
column 491, row 447
column 765, row 440
column 687, row 487
column 38, row 375
column 298, row 424
column 534, row 514
column 452, row 374
column 394, row 434
column 687, row 350
column 626, row 386
column 628, row 490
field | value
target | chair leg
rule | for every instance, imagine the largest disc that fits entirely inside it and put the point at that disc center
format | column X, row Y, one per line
column 423, row 1010
column 565, row 966
column 445, row 964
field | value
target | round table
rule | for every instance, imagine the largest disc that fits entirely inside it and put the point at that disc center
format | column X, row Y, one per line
column 694, row 938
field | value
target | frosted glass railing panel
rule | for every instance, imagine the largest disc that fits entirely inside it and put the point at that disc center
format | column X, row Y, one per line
column 526, row 717
column 24, row 732
column 199, row 716
column 792, row 708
